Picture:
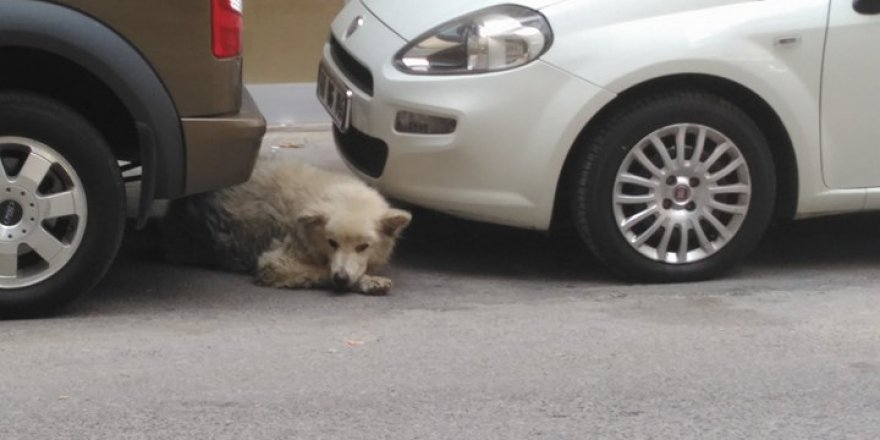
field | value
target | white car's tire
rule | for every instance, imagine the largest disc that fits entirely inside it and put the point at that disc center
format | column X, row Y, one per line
column 678, row 186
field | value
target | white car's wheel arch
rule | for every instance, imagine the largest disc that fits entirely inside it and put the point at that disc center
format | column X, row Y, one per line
column 786, row 161
column 755, row 54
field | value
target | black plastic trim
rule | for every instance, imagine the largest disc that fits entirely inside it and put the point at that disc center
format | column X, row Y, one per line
column 148, row 180
column 365, row 153
column 359, row 74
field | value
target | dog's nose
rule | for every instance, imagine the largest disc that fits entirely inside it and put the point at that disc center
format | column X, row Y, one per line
column 340, row 280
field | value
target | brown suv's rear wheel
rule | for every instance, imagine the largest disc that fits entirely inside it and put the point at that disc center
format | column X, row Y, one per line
column 62, row 205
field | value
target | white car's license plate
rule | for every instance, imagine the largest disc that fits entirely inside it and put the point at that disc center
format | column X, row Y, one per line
column 335, row 97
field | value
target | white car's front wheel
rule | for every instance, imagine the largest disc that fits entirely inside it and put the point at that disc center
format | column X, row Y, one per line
column 674, row 187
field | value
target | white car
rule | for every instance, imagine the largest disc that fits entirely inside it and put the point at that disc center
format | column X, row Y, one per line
column 668, row 132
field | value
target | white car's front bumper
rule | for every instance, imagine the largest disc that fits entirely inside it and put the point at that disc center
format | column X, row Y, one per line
column 503, row 161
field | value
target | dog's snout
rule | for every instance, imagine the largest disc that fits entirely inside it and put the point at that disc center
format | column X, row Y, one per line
column 340, row 280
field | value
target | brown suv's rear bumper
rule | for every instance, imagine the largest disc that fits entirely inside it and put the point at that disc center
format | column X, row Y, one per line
column 221, row 151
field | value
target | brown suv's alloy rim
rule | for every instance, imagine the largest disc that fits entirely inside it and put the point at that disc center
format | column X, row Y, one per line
column 42, row 212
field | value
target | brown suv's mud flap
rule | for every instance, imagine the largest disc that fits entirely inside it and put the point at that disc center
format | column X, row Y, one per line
column 148, row 178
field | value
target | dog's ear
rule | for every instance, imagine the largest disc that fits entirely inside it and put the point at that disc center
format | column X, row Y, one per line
column 394, row 221
column 312, row 219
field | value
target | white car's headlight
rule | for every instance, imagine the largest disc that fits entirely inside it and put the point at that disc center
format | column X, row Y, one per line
column 489, row 40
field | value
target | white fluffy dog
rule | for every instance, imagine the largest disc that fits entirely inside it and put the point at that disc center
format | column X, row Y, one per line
column 293, row 226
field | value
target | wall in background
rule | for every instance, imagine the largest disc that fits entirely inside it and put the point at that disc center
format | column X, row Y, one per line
column 283, row 39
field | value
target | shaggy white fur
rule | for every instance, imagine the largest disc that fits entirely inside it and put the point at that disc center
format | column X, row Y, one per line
column 293, row 226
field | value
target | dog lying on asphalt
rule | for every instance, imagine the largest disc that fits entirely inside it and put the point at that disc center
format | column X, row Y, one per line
column 293, row 226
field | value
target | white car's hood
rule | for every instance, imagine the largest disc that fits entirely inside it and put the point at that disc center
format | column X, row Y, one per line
column 411, row 18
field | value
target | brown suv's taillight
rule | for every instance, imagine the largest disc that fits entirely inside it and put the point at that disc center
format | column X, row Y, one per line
column 226, row 22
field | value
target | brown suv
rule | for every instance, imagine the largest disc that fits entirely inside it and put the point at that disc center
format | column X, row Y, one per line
column 90, row 89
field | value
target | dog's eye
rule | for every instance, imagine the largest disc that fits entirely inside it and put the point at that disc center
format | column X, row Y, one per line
column 333, row 243
column 362, row 247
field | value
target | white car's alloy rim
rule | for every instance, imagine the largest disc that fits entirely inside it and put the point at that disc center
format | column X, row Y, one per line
column 682, row 193
column 42, row 212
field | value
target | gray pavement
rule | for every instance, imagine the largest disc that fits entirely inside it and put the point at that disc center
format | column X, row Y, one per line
column 490, row 333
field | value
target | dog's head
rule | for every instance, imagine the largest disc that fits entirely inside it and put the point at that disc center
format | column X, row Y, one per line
column 353, row 241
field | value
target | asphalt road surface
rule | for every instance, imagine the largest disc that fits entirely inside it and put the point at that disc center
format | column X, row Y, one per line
column 490, row 333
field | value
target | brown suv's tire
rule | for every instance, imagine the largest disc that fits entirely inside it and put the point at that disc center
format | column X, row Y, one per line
column 44, row 140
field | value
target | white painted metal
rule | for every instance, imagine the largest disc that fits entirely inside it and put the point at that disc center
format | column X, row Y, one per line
column 517, row 127
column 851, row 99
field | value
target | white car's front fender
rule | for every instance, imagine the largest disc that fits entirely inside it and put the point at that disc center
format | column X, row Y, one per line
column 773, row 48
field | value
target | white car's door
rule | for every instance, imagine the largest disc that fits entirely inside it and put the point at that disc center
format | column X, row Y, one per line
column 851, row 95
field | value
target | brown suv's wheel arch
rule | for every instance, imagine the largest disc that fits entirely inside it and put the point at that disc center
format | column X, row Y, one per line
column 74, row 36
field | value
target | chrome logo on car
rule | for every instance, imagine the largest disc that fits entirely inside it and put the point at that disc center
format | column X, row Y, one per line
column 354, row 26
column 681, row 193
column 10, row 213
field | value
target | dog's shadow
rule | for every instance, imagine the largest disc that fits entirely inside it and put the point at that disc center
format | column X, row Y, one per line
column 444, row 243
column 441, row 243
column 438, row 242
column 142, row 280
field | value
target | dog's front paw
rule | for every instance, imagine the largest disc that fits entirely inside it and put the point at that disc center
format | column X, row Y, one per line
column 373, row 285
